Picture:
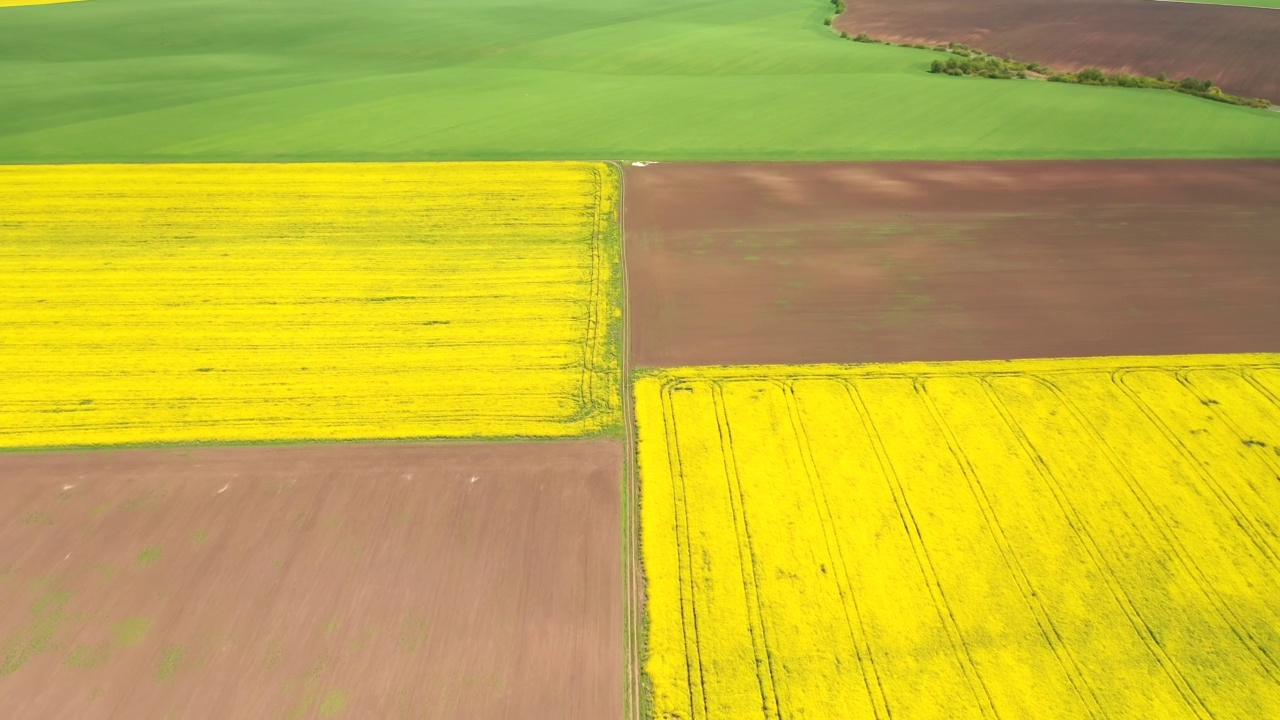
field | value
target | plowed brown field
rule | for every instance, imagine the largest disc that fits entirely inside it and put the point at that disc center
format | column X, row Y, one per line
column 1238, row 48
column 828, row 262
column 357, row 581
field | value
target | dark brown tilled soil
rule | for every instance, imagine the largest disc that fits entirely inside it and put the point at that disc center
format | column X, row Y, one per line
column 1238, row 48
column 352, row 581
column 885, row 262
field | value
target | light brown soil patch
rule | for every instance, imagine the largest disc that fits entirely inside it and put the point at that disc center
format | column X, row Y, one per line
column 356, row 581
column 1238, row 48
column 885, row 262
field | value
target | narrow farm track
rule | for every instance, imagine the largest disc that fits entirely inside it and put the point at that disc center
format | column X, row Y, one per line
column 634, row 575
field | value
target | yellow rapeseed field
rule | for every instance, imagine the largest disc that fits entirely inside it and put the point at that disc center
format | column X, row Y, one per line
column 18, row 3
column 227, row 303
column 1042, row 539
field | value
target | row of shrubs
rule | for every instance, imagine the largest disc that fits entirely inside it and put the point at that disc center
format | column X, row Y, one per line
column 840, row 8
column 974, row 62
column 1190, row 85
column 987, row 67
column 968, row 61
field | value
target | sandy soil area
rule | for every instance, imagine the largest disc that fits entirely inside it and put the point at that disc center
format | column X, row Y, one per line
column 830, row 262
column 1238, row 48
column 359, row 581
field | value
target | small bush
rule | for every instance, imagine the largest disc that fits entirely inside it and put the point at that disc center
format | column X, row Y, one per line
column 1091, row 76
column 989, row 67
column 1196, row 84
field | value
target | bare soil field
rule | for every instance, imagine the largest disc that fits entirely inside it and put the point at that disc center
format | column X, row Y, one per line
column 885, row 262
column 1237, row 48
column 358, row 581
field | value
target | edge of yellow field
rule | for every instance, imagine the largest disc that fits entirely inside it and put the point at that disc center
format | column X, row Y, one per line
column 218, row 164
column 22, row 3
column 957, row 367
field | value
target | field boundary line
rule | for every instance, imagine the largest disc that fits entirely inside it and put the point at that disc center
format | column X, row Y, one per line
column 635, row 705
column 1245, row 362
column 596, row 400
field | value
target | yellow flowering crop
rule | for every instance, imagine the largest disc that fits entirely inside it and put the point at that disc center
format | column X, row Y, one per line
column 194, row 303
column 18, row 3
column 1033, row 539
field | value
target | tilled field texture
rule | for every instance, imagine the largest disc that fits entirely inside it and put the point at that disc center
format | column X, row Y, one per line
column 353, row 581
column 1047, row 539
column 227, row 303
column 754, row 263
column 1236, row 47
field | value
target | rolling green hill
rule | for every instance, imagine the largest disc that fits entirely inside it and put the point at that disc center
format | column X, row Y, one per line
column 146, row 80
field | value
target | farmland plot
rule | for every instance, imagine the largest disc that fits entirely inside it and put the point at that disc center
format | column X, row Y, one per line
column 225, row 303
column 396, row 581
column 310, row 80
column 800, row 263
column 1058, row 538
